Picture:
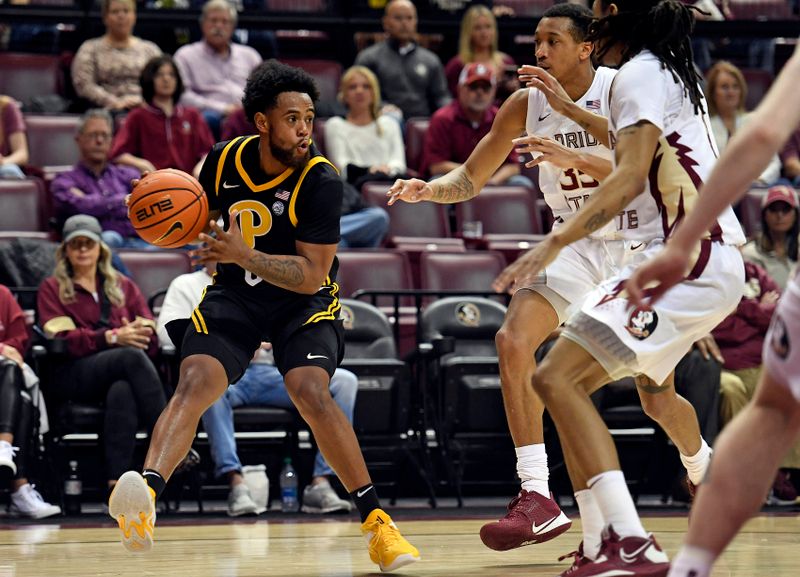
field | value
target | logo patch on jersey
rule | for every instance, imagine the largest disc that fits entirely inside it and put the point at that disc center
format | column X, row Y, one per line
column 348, row 317
column 642, row 323
column 282, row 194
column 545, row 116
column 780, row 338
column 277, row 208
column 593, row 104
column 468, row 314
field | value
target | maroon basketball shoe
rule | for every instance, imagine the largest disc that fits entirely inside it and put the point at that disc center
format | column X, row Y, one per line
column 691, row 488
column 531, row 518
column 625, row 557
column 579, row 560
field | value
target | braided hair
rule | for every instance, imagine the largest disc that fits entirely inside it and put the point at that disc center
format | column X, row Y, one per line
column 660, row 26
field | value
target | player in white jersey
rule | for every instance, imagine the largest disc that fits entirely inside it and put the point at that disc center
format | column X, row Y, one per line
column 751, row 447
column 663, row 151
column 571, row 162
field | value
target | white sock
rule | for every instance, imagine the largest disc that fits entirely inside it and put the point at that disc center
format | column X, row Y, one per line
column 692, row 562
column 697, row 464
column 532, row 468
column 615, row 501
column 592, row 522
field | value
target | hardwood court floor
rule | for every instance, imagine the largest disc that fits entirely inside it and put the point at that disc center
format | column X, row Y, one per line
column 334, row 548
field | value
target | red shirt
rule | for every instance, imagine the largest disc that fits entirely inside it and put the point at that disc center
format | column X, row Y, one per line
column 741, row 336
column 12, row 322
column 178, row 141
column 86, row 338
column 452, row 137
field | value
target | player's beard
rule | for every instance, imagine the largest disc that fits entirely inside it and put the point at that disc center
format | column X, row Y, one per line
column 287, row 156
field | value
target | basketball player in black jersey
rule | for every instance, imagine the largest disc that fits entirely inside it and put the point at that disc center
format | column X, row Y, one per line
column 280, row 202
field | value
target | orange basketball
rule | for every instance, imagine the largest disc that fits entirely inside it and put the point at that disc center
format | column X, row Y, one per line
column 168, row 208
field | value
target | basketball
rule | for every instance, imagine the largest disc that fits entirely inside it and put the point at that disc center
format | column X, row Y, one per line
column 168, row 208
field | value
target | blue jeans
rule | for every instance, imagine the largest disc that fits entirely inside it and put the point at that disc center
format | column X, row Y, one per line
column 11, row 172
column 262, row 385
column 115, row 240
column 364, row 228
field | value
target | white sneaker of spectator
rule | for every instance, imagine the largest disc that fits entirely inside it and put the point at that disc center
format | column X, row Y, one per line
column 7, row 456
column 27, row 502
column 321, row 498
column 240, row 502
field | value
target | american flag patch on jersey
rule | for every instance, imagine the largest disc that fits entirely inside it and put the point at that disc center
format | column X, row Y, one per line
column 593, row 104
column 282, row 194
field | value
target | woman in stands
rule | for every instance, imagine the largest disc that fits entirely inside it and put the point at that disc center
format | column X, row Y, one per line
column 13, row 142
column 775, row 247
column 17, row 412
column 727, row 91
column 478, row 43
column 109, row 335
column 162, row 133
column 364, row 145
column 105, row 70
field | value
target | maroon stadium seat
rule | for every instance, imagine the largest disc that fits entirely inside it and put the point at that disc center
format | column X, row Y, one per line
column 23, row 76
column 469, row 271
column 153, row 270
column 415, row 141
column 22, row 205
column 502, row 210
column 327, row 73
column 421, row 220
column 51, row 141
column 758, row 82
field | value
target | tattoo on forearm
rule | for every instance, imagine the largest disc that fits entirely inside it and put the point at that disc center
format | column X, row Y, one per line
column 597, row 220
column 461, row 189
column 280, row 270
column 628, row 130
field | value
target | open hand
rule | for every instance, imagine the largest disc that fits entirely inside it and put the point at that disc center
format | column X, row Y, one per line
column 525, row 269
column 655, row 277
column 544, row 82
column 412, row 190
column 545, row 149
column 228, row 246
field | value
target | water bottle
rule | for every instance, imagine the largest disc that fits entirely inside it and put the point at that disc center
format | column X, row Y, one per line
column 289, row 502
column 73, row 490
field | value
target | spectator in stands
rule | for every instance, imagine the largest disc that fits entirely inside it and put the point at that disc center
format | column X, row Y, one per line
column 95, row 186
column 236, row 124
column 162, row 133
column 109, row 335
column 17, row 411
column 457, row 128
column 261, row 385
column 478, row 43
column 790, row 158
column 741, row 338
column 13, row 142
column 214, row 69
column 364, row 145
column 411, row 77
column 727, row 91
column 361, row 226
column 105, row 70
column 775, row 247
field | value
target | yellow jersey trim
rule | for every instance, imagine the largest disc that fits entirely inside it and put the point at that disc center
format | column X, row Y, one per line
column 311, row 164
column 330, row 313
column 221, row 162
column 246, row 177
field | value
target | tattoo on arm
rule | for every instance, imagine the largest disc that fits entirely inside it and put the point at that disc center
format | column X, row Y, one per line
column 282, row 270
column 628, row 130
column 595, row 221
column 461, row 189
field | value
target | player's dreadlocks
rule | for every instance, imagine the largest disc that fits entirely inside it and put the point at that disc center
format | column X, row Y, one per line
column 660, row 26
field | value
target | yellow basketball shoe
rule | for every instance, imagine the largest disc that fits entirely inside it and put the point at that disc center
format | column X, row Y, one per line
column 133, row 505
column 387, row 547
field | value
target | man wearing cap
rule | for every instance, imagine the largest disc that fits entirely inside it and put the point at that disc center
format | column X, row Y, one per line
column 775, row 248
column 456, row 129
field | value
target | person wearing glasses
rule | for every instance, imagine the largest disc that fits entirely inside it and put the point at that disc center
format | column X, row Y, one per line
column 456, row 129
column 95, row 186
column 109, row 335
